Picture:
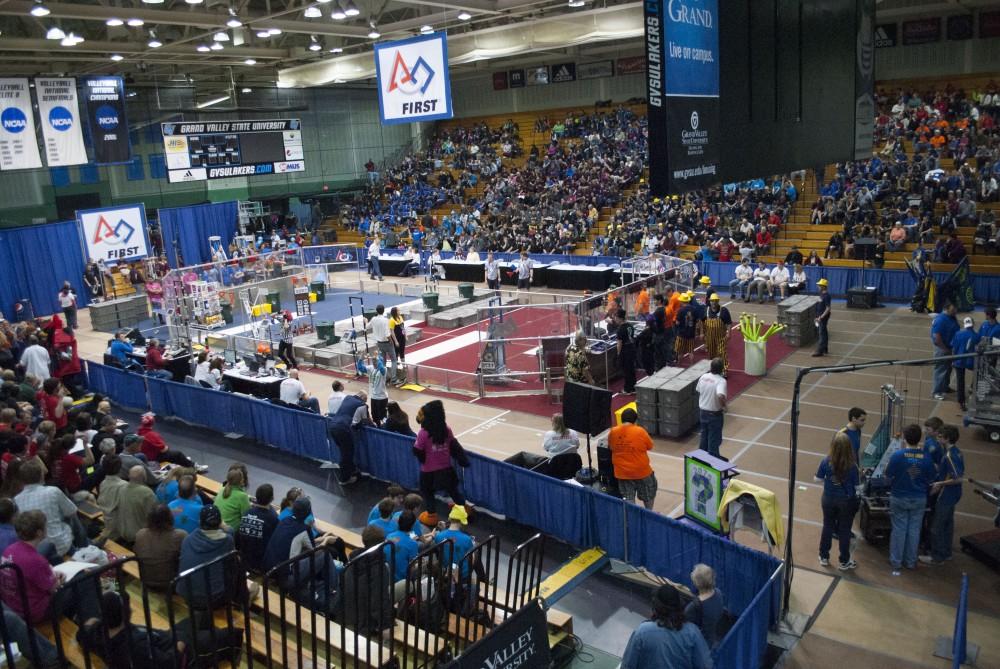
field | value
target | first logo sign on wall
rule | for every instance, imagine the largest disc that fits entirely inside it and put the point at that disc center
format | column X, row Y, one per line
column 413, row 81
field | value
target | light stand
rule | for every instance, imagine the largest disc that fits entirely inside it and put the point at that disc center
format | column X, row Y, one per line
column 587, row 475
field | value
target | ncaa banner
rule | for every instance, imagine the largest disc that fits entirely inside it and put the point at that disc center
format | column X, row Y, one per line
column 18, row 143
column 114, row 234
column 105, row 105
column 413, row 80
column 60, row 119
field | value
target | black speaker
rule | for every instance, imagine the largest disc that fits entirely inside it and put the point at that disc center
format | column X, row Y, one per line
column 586, row 409
column 606, row 470
column 864, row 248
column 860, row 297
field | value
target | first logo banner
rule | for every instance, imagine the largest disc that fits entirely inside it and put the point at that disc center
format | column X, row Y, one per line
column 413, row 81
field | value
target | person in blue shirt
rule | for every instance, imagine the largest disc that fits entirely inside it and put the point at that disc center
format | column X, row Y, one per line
column 121, row 350
column 964, row 341
column 943, row 329
column 462, row 543
column 838, row 472
column 187, row 507
column 856, row 418
column 666, row 640
column 948, row 490
column 990, row 327
column 414, row 503
column 385, row 522
column 910, row 473
column 396, row 494
column 406, row 549
column 932, row 447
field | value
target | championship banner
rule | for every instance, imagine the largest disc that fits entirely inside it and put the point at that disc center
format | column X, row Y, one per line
column 520, row 642
column 114, row 234
column 413, row 81
column 682, row 87
column 864, row 81
column 105, row 105
column 60, row 119
column 18, row 143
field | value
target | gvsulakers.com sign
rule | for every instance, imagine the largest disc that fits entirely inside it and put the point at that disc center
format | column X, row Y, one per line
column 413, row 82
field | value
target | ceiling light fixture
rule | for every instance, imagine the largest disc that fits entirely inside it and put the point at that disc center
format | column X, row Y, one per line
column 249, row 61
column 194, row 2
column 426, row 29
column 576, row 3
column 263, row 34
column 216, row 46
column 221, row 36
column 135, row 23
column 273, row 31
column 214, row 101
column 204, row 48
column 336, row 49
column 117, row 57
column 39, row 10
column 246, row 90
column 71, row 39
column 153, row 2
column 153, row 42
column 312, row 12
column 55, row 32
column 338, row 13
column 314, row 45
column 374, row 33
column 323, row 2
column 464, row 16
column 114, row 23
column 338, row 81
column 351, row 9
column 234, row 22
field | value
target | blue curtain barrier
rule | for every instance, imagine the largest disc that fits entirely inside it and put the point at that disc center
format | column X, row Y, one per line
column 126, row 389
column 746, row 641
column 892, row 284
column 187, row 229
column 34, row 262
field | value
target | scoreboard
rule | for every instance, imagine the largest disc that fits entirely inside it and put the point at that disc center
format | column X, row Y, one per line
column 222, row 149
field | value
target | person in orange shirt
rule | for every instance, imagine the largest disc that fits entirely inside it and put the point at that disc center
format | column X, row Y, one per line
column 630, row 445
column 938, row 140
column 642, row 302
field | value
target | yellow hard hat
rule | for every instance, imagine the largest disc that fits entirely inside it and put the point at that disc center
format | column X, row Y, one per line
column 704, row 280
column 822, row 282
column 656, row 200
column 714, row 297
column 684, row 297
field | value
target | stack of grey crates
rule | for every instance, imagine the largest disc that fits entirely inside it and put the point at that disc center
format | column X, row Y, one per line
column 667, row 401
column 798, row 314
column 114, row 315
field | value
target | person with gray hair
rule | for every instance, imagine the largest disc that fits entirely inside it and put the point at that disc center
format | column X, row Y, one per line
column 707, row 607
column 156, row 361
column 577, row 363
column 136, row 501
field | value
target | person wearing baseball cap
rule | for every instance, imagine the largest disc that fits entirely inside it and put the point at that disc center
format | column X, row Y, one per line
column 823, row 319
column 686, row 322
column 666, row 639
column 964, row 341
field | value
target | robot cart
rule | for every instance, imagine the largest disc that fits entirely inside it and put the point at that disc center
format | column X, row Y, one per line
column 984, row 404
column 875, row 522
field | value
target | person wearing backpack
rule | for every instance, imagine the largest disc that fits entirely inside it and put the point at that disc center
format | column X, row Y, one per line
column 707, row 608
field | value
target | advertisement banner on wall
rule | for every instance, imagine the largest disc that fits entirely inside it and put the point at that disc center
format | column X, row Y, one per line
column 885, row 35
column 682, row 89
column 563, row 72
column 114, row 234
column 989, row 24
column 959, row 27
column 538, row 76
column 630, row 65
column 59, row 110
column 921, row 31
column 602, row 68
column 105, row 104
column 499, row 81
column 516, row 78
column 18, row 143
column 413, row 80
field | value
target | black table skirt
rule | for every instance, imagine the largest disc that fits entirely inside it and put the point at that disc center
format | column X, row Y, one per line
column 579, row 279
column 467, row 272
column 265, row 389
column 539, row 276
column 393, row 266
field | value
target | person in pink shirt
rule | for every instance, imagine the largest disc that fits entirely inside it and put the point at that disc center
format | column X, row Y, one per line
column 40, row 582
column 434, row 448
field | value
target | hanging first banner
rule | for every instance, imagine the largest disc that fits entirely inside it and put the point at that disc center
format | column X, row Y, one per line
column 18, row 143
column 105, row 105
column 60, row 119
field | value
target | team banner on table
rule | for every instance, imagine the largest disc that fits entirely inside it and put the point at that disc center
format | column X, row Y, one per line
column 114, row 234
column 105, row 105
column 682, row 82
column 60, row 119
column 520, row 642
column 18, row 143
column 413, row 80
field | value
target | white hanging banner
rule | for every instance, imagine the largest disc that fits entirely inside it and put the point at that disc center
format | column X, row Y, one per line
column 18, row 143
column 60, row 119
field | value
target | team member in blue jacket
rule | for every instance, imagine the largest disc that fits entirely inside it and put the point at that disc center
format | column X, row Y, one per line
column 948, row 489
column 839, row 473
column 964, row 341
column 943, row 329
column 910, row 472
column 990, row 327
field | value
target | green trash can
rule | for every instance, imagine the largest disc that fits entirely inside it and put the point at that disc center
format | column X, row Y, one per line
column 274, row 299
column 318, row 287
column 430, row 300
column 368, row 315
column 324, row 330
column 227, row 313
column 465, row 290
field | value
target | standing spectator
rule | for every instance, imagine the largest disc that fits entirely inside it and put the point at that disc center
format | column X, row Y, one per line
column 838, row 472
column 397, row 325
column 374, row 252
column 707, row 607
column 67, row 301
column 385, row 340
column 158, row 548
column 577, row 363
column 293, row 391
column 910, row 472
column 350, row 415
column 525, row 270
column 35, row 359
column 666, row 640
column 66, row 366
column 50, row 403
column 492, row 271
column 94, row 281
column 823, row 319
column 629, row 446
column 232, row 501
column 964, row 341
column 256, row 527
column 948, row 489
column 712, row 390
column 375, row 370
column 434, row 448
column 943, row 331
column 626, row 350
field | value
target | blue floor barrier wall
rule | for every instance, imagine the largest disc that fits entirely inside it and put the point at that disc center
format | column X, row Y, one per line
column 582, row 517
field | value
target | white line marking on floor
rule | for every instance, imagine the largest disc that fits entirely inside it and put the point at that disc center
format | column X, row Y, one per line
column 483, row 424
column 443, row 348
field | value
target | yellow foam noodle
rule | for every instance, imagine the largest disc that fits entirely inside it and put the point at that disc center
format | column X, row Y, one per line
column 619, row 412
column 414, row 387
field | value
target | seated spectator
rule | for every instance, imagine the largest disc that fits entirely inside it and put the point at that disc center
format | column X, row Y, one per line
column 155, row 448
column 793, row 257
column 61, row 521
column 137, row 500
column 208, row 373
column 385, row 521
column 707, row 607
column 394, row 493
column 122, row 645
column 64, row 467
column 156, row 362
column 108, row 429
column 666, row 640
column 405, row 548
column 814, row 260
column 560, row 439
column 40, row 582
column 256, row 527
column 158, row 548
column 798, row 282
column 744, row 275
column 835, row 247
column 779, row 280
column 462, row 543
column 232, row 501
column 17, row 632
column 166, row 491
column 760, row 284
column 208, row 542
column 8, row 535
column 292, row 537
column 293, row 392
column 897, row 237
column 50, row 403
column 132, row 457
column 186, row 509
column 109, row 497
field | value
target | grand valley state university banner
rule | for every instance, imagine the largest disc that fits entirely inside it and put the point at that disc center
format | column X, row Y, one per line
column 105, row 105
column 682, row 76
column 60, row 119
column 18, row 144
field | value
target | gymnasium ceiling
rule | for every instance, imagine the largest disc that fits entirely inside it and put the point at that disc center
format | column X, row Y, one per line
column 298, row 43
